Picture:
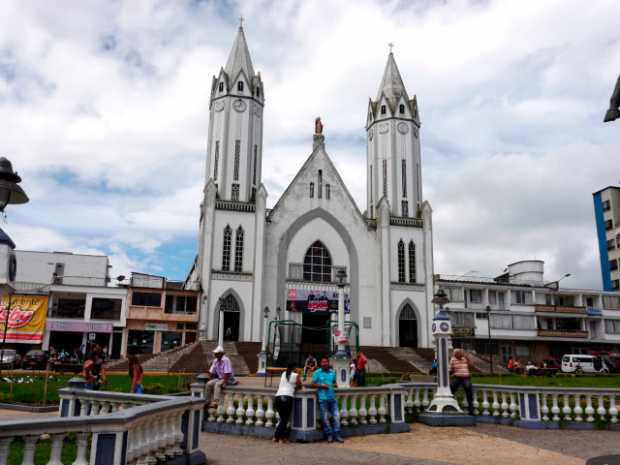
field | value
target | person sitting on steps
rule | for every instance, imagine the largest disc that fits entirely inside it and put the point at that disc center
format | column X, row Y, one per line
column 220, row 374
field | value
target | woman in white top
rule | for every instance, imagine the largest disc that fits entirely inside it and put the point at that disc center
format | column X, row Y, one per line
column 284, row 401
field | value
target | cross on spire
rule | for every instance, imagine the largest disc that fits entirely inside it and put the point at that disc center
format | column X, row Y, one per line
column 391, row 45
column 241, row 19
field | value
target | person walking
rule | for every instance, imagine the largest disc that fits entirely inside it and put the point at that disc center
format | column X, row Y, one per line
column 136, row 374
column 461, row 376
column 360, row 369
column 510, row 365
column 289, row 381
column 324, row 380
column 220, row 373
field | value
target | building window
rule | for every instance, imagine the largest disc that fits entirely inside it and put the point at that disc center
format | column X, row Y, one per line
column 146, row 299
column 328, row 191
column 236, row 163
column 609, row 224
column 521, row 297
column 106, row 309
column 401, row 109
column 384, row 166
column 412, row 268
column 383, row 109
column 226, row 249
column 606, row 205
column 475, row 296
column 611, row 244
column 455, row 294
column 318, row 264
column 221, row 87
column 367, row 322
column 239, row 250
column 255, row 164
column 311, row 190
column 401, row 261
column 615, row 284
column 240, row 86
column 612, row 326
column 404, row 177
column 235, row 192
column 405, row 208
column 613, row 264
column 320, row 194
column 217, row 159
column 611, row 302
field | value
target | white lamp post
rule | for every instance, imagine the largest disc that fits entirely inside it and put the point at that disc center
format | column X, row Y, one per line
column 341, row 359
column 220, row 333
column 262, row 356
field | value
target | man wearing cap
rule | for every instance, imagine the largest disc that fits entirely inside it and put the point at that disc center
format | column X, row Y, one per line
column 220, row 374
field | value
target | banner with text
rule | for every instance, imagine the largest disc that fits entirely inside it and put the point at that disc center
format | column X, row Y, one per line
column 315, row 301
column 26, row 318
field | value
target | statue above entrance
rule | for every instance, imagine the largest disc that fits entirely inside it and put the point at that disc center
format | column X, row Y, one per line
column 318, row 126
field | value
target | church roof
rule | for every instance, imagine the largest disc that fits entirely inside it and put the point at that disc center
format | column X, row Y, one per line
column 239, row 58
column 392, row 83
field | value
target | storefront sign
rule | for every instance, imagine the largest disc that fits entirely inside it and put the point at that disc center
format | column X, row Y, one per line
column 78, row 326
column 462, row 331
column 156, row 326
column 314, row 301
column 26, row 318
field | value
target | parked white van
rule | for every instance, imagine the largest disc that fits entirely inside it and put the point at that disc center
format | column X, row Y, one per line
column 579, row 363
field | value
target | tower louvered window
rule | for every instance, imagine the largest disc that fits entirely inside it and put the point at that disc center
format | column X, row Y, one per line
column 401, row 261
column 221, row 87
column 239, row 250
column 240, row 86
column 405, row 208
column 320, row 195
column 404, row 177
column 234, row 194
column 328, row 191
column 236, row 162
column 384, row 166
column 412, row 273
column 255, row 162
column 311, row 190
column 216, row 162
column 401, row 109
column 226, row 248
column 383, row 109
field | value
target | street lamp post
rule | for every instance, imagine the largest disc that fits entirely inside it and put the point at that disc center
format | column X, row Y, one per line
column 262, row 356
column 10, row 193
column 488, row 309
column 341, row 359
column 220, row 332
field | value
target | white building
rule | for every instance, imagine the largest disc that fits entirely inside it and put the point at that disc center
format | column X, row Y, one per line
column 607, row 215
column 251, row 257
column 529, row 317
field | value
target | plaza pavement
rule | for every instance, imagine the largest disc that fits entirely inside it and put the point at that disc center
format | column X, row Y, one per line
column 480, row 445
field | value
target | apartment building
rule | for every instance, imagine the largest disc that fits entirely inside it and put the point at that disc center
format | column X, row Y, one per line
column 520, row 314
column 607, row 215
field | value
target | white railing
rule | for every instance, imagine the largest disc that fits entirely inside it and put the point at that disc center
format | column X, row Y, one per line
column 529, row 404
column 254, row 407
column 121, row 429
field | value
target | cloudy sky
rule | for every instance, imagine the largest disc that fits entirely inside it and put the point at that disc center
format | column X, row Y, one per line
column 104, row 113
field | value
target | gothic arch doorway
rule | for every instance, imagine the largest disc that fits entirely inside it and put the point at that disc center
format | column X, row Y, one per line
column 407, row 327
column 232, row 317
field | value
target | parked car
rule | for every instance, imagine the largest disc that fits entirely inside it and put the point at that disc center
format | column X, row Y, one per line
column 579, row 363
column 35, row 360
column 613, row 363
column 9, row 358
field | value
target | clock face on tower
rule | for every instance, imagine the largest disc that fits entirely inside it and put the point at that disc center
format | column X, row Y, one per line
column 239, row 105
column 444, row 327
column 434, row 327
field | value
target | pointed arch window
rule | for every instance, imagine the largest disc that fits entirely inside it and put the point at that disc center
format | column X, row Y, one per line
column 320, row 195
column 234, row 192
column 258, row 91
column 239, row 250
column 221, row 87
column 404, row 176
column 404, row 205
column 240, row 86
column 217, row 159
column 318, row 264
column 401, row 109
column 412, row 273
column 311, row 190
column 383, row 109
column 255, row 164
column 226, row 248
column 401, row 261
column 384, row 166
column 237, row 159
column 328, row 191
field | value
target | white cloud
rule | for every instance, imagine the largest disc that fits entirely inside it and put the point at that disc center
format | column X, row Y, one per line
column 104, row 107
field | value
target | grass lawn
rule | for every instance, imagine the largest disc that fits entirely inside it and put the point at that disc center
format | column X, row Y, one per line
column 32, row 392
column 594, row 381
column 42, row 452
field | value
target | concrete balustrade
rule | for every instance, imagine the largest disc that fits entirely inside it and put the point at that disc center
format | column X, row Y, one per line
column 531, row 407
column 120, row 428
column 250, row 411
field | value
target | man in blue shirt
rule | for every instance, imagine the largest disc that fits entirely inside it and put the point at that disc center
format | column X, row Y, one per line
column 324, row 380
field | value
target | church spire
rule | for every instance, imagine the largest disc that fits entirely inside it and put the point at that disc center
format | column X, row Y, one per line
column 391, row 84
column 239, row 58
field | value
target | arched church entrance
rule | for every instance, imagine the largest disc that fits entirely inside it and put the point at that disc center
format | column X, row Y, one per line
column 232, row 317
column 317, row 268
column 407, row 327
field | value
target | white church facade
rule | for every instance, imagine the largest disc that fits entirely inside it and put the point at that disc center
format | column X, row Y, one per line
column 287, row 257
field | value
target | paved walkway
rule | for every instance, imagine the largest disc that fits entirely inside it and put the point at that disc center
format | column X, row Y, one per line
column 482, row 445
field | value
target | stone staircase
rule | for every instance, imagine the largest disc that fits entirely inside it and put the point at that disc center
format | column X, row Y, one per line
column 413, row 357
column 198, row 359
column 481, row 364
column 382, row 360
column 166, row 360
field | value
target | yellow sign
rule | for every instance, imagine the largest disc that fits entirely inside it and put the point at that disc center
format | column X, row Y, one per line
column 26, row 318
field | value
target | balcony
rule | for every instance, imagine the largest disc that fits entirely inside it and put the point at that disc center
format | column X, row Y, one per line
column 406, row 221
column 563, row 333
column 559, row 309
column 296, row 273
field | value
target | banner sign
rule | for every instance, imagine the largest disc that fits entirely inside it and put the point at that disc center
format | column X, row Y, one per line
column 78, row 326
column 26, row 318
column 315, row 301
